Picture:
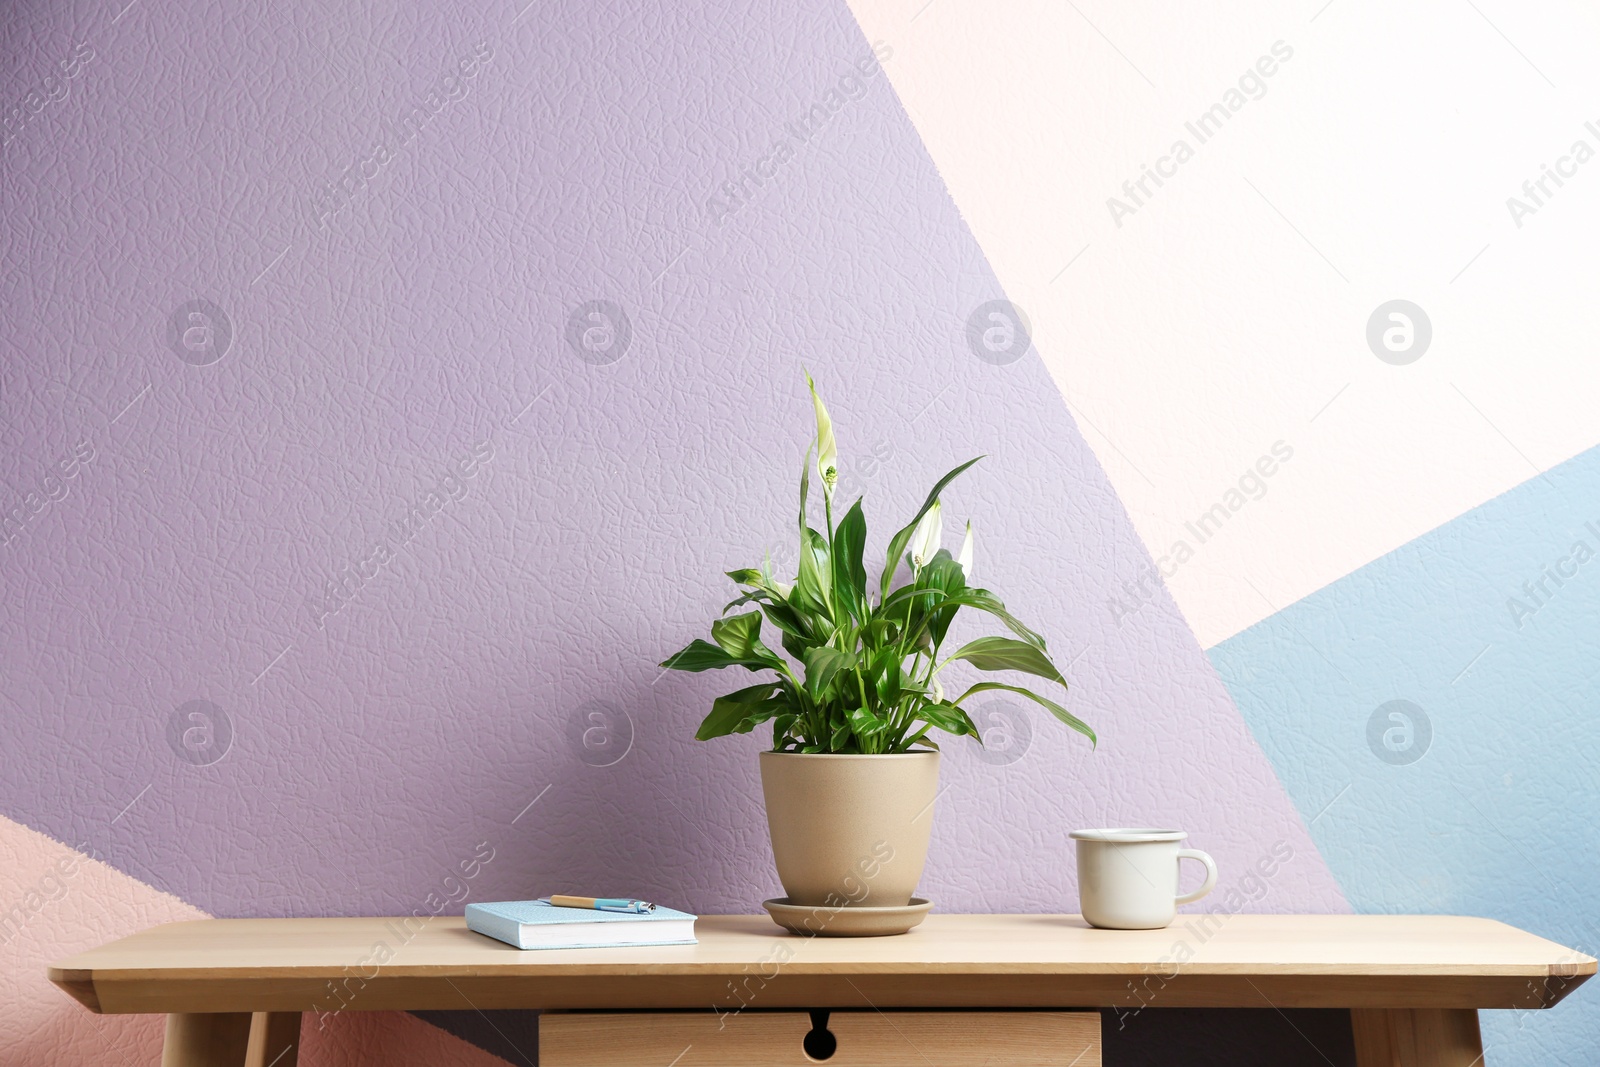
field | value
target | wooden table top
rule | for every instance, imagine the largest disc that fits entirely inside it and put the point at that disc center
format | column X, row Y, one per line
column 968, row 961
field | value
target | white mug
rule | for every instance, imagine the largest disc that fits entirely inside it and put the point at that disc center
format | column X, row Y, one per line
column 1128, row 879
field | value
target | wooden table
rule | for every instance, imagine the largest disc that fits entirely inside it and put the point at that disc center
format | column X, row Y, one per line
column 233, row 989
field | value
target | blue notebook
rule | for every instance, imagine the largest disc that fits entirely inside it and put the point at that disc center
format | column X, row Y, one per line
column 535, row 924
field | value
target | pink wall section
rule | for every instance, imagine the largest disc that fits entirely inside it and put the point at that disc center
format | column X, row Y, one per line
column 66, row 902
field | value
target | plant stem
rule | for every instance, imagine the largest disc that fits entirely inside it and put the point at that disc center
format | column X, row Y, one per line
column 905, row 631
column 903, row 709
column 827, row 514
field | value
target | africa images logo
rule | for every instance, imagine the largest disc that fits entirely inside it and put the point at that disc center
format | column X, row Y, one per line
column 598, row 332
column 1399, row 732
column 1399, row 332
column 602, row 733
column 999, row 333
column 199, row 733
column 199, row 332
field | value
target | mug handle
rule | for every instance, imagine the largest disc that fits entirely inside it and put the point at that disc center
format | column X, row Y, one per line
column 1211, row 875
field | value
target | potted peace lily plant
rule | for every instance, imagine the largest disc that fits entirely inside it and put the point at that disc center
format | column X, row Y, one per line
column 856, row 693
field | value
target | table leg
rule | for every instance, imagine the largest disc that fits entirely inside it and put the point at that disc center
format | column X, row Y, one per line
column 274, row 1039
column 1417, row 1037
column 206, row 1039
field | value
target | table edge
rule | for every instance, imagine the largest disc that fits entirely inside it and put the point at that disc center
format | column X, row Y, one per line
column 92, row 984
column 511, row 969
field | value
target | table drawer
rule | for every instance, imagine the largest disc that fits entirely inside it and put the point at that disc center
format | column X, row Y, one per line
column 839, row 1038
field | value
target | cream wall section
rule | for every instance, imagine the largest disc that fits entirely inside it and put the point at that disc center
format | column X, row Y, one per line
column 1228, row 311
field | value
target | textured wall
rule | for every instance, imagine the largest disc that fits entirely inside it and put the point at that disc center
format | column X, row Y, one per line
column 1208, row 213
column 385, row 390
column 1437, row 706
column 1200, row 208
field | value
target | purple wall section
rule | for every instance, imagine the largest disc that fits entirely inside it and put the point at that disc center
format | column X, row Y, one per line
column 410, row 335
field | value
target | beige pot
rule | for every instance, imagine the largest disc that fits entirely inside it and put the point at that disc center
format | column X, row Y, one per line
column 850, row 830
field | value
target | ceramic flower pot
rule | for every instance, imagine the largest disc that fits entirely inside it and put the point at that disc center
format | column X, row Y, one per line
column 850, row 831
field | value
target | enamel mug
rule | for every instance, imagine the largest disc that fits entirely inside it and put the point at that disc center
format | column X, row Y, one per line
column 1128, row 878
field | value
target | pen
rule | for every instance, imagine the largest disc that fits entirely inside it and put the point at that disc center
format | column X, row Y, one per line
column 638, row 907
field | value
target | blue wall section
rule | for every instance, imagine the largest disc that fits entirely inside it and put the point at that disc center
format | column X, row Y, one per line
column 1479, row 794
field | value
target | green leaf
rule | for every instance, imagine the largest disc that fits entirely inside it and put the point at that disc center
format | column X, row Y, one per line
column 795, row 645
column 880, row 630
column 746, row 576
column 949, row 718
column 699, row 655
column 945, row 575
column 757, row 595
column 893, row 609
column 914, row 688
column 805, row 491
column 886, row 675
column 729, row 714
column 841, row 734
column 759, row 714
column 785, row 618
column 813, row 584
column 1004, row 654
column 738, row 635
column 984, row 600
column 866, row 724
column 1055, row 709
column 822, row 665
column 781, row 725
column 897, row 545
column 849, row 573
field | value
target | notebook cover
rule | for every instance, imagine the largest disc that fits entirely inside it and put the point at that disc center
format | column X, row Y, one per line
column 505, row 920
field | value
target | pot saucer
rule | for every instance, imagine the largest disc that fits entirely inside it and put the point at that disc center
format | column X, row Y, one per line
column 818, row 921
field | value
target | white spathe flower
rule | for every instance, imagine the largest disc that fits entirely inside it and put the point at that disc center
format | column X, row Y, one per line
column 928, row 535
column 965, row 558
column 827, row 447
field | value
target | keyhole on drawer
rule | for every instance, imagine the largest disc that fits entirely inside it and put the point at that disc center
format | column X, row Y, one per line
column 820, row 1043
